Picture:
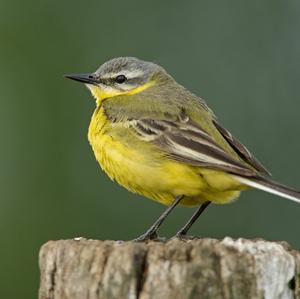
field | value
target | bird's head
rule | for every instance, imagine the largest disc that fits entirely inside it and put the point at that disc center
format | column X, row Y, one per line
column 120, row 76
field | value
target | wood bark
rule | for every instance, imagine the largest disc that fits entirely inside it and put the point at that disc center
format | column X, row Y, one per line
column 194, row 269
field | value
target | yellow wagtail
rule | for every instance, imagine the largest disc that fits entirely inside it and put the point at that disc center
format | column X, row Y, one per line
column 159, row 140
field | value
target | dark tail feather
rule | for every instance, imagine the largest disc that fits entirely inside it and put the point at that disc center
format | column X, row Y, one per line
column 267, row 185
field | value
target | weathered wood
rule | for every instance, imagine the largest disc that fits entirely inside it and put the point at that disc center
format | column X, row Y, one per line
column 201, row 268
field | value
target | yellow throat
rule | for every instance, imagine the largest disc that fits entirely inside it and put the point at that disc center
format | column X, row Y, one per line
column 100, row 94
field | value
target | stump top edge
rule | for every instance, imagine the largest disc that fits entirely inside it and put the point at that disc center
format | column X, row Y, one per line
column 240, row 244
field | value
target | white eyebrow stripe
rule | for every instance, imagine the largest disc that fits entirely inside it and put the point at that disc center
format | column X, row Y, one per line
column 129, row 74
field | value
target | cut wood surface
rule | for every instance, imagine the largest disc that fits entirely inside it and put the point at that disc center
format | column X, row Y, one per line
column 194, row 269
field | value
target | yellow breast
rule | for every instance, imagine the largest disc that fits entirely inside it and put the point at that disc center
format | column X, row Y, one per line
column 143, row 169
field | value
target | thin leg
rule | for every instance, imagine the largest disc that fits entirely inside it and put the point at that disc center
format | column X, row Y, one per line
column 183, row 231
column 150, row 234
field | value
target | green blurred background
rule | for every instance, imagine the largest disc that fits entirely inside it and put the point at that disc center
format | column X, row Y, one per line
column 241, row 56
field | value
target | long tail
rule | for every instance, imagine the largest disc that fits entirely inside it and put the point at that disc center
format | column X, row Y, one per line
column 267, row 185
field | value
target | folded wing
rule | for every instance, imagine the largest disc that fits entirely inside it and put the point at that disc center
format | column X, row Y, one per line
column 186, row 141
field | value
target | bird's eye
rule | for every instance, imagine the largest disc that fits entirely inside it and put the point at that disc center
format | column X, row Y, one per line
column 120, row 79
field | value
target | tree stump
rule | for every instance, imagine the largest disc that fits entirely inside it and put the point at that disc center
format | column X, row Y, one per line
column 194, row 269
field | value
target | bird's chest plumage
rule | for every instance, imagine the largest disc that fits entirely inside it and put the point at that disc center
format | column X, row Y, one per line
column 121, row 162
column 106, row 149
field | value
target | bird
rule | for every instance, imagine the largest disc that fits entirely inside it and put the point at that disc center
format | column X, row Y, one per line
column 157, row 139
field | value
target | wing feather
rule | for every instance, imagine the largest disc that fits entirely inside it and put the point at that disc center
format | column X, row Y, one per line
column 188, row 142
column 241, row 150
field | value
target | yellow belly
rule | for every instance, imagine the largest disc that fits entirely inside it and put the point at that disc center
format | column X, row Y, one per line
column 144, row 170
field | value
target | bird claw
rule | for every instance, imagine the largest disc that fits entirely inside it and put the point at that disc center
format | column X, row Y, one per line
column 148, row 236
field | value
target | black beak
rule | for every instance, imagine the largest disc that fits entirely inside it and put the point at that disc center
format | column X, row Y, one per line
column 84, row 78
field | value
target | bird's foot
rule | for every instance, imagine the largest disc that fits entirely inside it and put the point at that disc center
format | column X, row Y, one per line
column 147, row 236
